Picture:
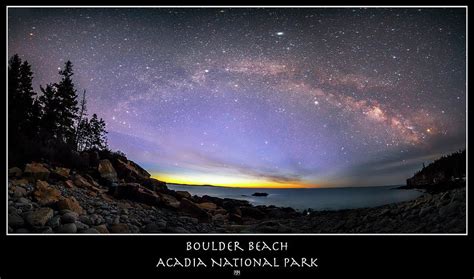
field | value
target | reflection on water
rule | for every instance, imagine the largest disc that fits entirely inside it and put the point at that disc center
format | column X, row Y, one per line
column 317, row 199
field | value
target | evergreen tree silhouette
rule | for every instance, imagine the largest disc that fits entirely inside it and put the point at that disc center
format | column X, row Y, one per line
column 20, row 98
column 97, row 133
column 50, row 117
column 82, row 124
column 31, row 111
column 67, row 110
column 51, row 125
column 14, row 108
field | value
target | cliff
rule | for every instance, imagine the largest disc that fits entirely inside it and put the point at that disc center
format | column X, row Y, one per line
column 445, row 172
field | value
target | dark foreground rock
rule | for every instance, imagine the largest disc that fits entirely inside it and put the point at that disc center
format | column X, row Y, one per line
column 73, row 202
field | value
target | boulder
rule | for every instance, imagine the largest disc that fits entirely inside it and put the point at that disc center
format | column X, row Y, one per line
column 19, row 182
column 130, row 171
column 119, row 228
column 169, row 201
column 194, row 210
column 219, row 218
column 68, row 184
column 156, row 227
column 81, row 182
column 272, row 227
column 15, row 221
column 154, row 184
column 125, row 190
column 233, row 205
column 209, row 206
column 147, row 196
column 101, row 228
column 252, row 212
column 67, row 228
column 69, row 217
column 235, row 218
column 70, row 204
column 61, row 173
column 44, row 194
column 91, row 180
column 39, row 217
column 14, row 172
column 215, row 200
column 107, row 171
column 36, row 171
column 91, row 231
column 94, row 158
column 19, row 192
column 183, row 194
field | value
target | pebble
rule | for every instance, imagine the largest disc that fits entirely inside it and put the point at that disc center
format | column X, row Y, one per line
column 81, row 226
column 69, row 217
column 15, row 220
column 67, row 228
column 55, row 221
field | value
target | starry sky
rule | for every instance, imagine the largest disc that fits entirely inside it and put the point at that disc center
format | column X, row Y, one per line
column 314, row 97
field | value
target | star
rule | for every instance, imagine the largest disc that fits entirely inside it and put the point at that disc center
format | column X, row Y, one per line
column 317, row 96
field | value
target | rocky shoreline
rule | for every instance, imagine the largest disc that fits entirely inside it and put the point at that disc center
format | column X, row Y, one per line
column 115, row 195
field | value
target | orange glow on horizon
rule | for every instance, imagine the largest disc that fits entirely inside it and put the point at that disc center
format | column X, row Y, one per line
column 224, row 181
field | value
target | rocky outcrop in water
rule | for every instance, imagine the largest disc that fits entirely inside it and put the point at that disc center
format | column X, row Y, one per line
column 447, row 172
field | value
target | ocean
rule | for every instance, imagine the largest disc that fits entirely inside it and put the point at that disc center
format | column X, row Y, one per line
column 314, row 198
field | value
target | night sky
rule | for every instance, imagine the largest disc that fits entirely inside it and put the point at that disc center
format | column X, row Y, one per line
column 262, row 97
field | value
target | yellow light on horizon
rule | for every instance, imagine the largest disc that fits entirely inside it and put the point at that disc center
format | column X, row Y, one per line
column 227, row 181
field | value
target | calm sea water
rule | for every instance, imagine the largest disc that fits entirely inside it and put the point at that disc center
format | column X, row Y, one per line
column 317, row 199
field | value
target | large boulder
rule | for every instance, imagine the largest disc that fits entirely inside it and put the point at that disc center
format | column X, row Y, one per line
column 147, row 196
column 169, row 201
column 15, row 220
column 130, row 171
column 14, row 172
column 101, row 228
column 154, row 184
column 183, row 194
column 39, row 217
column 209, row 206
column 236, row 218
column 68, row 184
column 252, row 212
column 70, row 204
column 125, row 190
column 44, row 194
column 36, row 171
column 194, row 210
column 119, row 228
column 107, row 171
column 81, row 182
column 61, row 173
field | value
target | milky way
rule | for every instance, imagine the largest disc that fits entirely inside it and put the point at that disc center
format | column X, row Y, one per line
column 262, row 97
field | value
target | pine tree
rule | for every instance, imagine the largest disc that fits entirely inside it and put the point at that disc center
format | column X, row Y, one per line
column 84, row 138
column 14, row 108
column 22, row 113
column 67, row 111
column 31, row 112
column 82, row 124
column 50, row 117
column 97, row 134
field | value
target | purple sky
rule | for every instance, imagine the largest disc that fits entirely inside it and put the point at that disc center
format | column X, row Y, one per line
column 262, row 97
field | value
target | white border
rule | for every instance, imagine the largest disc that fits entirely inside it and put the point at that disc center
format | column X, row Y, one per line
column 240, row 234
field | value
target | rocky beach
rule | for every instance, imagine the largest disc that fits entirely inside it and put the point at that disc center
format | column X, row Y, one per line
column 114, row 195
